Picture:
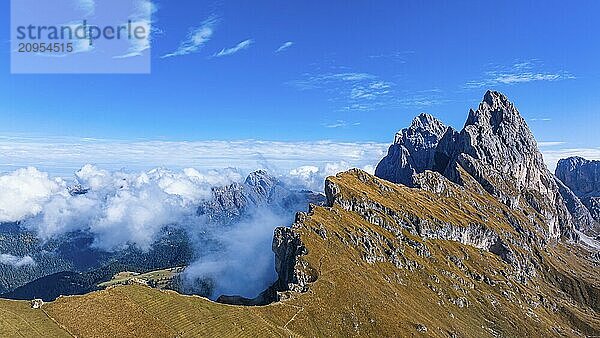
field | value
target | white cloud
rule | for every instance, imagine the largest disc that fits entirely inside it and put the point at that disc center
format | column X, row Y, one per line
column 395, row 56
column 359, row 91
column 230, row 51
column 24, row 193
column 284, row 46
column 341, row 124
column 130, row 207
column 15, row 261
column 520, row 72
column 142, row 17
column 63, row 156
column 316, row 81
column 244, row 263
column 196, row 38
column 355, row 90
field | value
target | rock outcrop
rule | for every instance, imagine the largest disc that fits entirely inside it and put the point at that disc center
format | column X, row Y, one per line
column 583, row 179
column 497, row 149
column 294, row 273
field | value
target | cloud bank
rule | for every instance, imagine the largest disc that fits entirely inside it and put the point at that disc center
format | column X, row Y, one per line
column 244, row 263
column 119, row 209
column 63, row 156
column 25, row 192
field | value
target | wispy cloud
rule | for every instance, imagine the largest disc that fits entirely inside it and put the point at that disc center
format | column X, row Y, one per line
column 196, row 38
column 284, row 46
column 354, row 90
column 144, row 11
column 316, row 81
column 341, row 124
column 371, row 90
column 230, row 51
column 540, row 119
column 520, row 72
column 362, row 91
column 15, row 261
column 400, row 56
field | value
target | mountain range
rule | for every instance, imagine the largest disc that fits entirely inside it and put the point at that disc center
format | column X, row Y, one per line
column 458, row 234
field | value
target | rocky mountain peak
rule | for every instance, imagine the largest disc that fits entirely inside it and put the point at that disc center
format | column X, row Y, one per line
column 496, row 100
column 413, row 150
column 235, row 201
column 427, row 122
column 424, row 131
column 500, row 115
column 581, row 175
column 495, row 147
column 261, row 181
column 497, row 134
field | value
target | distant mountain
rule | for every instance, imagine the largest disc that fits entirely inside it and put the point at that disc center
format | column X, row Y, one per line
column 260, row 190
column 583, row 178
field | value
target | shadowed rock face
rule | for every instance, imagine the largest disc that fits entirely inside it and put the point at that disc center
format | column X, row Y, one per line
column 413, row 150
column 583, row 178
column 581, row 175
column 582, row 215
column 496, row 148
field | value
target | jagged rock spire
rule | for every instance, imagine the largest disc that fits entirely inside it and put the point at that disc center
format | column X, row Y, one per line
column 495, row 147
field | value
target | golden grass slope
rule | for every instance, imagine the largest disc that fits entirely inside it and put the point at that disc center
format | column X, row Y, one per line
column 18, row 319
column 454, row 291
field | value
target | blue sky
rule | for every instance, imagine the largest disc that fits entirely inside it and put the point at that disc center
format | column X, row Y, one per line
column 345, row 71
